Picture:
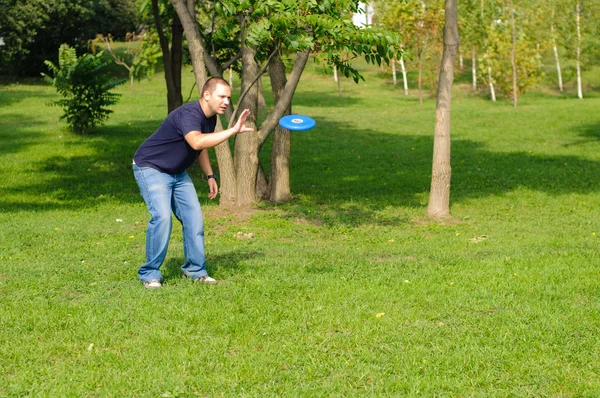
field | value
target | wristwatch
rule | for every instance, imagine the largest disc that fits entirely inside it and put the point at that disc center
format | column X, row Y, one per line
column 211, row 176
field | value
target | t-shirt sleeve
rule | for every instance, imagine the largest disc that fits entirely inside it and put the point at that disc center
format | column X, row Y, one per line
column 188, row 122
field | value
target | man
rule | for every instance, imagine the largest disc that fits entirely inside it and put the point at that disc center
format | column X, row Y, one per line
column 159, row 167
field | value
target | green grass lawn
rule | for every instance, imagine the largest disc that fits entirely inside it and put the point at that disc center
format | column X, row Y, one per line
column 346, row 290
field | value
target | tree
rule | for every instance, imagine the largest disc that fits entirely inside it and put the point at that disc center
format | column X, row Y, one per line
column 85, row 86
column 419, row 21
column 160, row 16
column 439, row 196
column 512, row 57
column 140, row 57
column 577, row 29
column 471, row 29
column 268, row 32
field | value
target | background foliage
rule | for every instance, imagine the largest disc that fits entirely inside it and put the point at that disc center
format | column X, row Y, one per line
column 33, row 30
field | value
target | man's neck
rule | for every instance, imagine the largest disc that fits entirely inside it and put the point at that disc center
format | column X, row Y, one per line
column 205, row 109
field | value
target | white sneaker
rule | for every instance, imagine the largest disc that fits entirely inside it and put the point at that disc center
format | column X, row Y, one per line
column 203, row 279
column 208, row 280
column 152, row 284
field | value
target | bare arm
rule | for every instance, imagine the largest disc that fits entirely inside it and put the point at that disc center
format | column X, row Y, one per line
column 198, row 141
column 204, row 162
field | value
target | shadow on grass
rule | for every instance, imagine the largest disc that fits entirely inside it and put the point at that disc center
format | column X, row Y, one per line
column 355, row 179
column 589, row 132
column 14, row 139
column 343, row 175
column 320, row 99
column 76, row 182
column 226, row 263
column 11, row 97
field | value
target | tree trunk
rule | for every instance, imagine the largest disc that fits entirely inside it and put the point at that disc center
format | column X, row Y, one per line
column 261, row 97
column 555, row 49
column 176, row 61
column 404, row 79
column 227, row 175
column 262, row 185
column 419, row 80
column 513, row 56
column 247, row 144
column 439, row 196
column 492, row 91
column 279, row 180
column 474, row 69
column 394, row 71
column 337, row 79
column 577, row 20
column 172, row 94
column 194, row 41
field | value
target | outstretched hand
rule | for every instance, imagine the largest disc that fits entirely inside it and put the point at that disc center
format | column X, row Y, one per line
column 240, row 126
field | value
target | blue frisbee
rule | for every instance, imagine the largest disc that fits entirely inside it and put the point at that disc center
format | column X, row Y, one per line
column 297, row 122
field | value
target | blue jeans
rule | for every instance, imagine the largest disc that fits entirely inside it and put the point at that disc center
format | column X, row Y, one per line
column 163, row 194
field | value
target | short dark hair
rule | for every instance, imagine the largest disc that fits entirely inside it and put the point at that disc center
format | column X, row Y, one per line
column 211, row 84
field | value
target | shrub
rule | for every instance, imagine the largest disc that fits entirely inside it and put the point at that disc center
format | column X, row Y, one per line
column 85, row 87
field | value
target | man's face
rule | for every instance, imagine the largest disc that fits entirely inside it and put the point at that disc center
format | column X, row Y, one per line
column 219, row 99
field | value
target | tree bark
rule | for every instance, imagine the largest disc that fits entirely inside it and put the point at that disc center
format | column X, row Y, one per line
column 279, row 180
column 262, row 185
column 226, row 172
column 394, row 71
column 247, row 144
column 439, row 196
column 262, row 104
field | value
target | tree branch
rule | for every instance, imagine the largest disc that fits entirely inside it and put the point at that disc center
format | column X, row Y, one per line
column 262, row 72
column 286, row 96
column 232, row 61
column 117, row 60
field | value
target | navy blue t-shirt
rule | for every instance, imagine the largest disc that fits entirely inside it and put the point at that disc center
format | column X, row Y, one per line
column 167, row 150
